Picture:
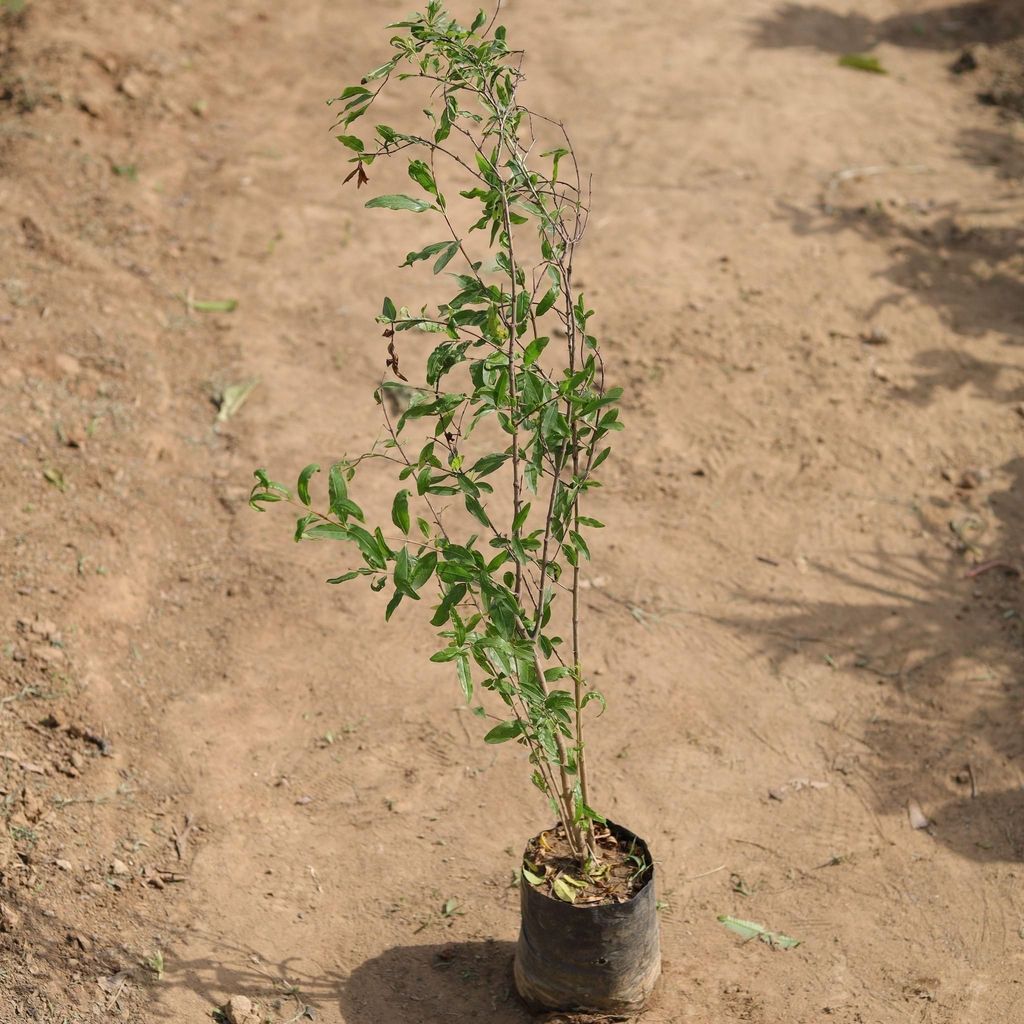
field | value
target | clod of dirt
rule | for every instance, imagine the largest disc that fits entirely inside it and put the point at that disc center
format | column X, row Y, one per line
column 10, row 919
column 875, row 336
column 133, row 85
column 918, row 819
column 972, row 478
column 964, row 63
column 118, row 867
column 91, row 104
column 51, row 655
column 240, row 1010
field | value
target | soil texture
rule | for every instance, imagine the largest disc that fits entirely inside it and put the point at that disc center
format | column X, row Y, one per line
column 232, row 792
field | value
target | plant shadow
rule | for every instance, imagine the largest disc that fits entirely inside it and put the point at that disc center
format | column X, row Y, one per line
column 457, row 981
column 934, row 647
column 966, row 270
column 942, row 28
column 1001, row 151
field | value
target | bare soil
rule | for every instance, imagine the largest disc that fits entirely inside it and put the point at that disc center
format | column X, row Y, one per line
column 221, row 778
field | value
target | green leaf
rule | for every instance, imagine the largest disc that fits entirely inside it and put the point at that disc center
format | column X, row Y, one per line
column 423, row 569
column 580, row 543
column 547, row 302
column 446, row 356
column 465, row 676
column 531, row 877
column 420, row 173
column 504, row 731
column 371, row 551
column 444, row 128
column 353, row 142
column 403, row 569
column 400, row 511
column 862, row 62
column 488, row 464
column 446, row 257
column 329, row 531
column 396, row 600
column 563, row 890
column 337, row 490
column 751, row 930
column 301, row 524
column 533, row 350
column 399, row 202
column 303, row 485
column 350, row 91
column 345, row 577
column 594, row 695
column 556, row 155
column 389, row 310
column 476, row 510
column 447, row 654
column 254, row 498
column 521, row 517
column 213, row 305
column 587, row 812
column 381, row 71
column 425, row 253
column 611, row 395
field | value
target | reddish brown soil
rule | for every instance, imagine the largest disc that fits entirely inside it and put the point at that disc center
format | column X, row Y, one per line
column 222, row 778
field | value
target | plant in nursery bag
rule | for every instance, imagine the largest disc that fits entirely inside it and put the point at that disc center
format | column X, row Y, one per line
column 496, row 447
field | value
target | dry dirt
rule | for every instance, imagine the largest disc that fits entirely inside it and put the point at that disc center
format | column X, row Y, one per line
column 223, row 778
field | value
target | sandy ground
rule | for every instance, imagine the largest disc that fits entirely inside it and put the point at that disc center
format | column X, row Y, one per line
column 223, row 778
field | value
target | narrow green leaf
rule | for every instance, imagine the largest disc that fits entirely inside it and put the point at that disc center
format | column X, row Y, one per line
column 520, row 520
column 213, row 305
column 504, row 731
column 389, row 310
column 425, row 253
column 300, row 525
column 476, row 510
column 329, row 531
column 396, row 600
column 337, row 489
column 465, row 676
column 423, row 570
column 420, row 173
column 446, row 257
column 488, row 464
column 580, row 543
column 448, row 654
column 751, row 930
column 533, row 350
column 561, row 888
column 302, row 487
column 345, row 577
column 403, row 571
column 350, row 91
column 399, row 202
column 400, row 511
column 862, row 62
column 352, row 142
column 548, row 301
